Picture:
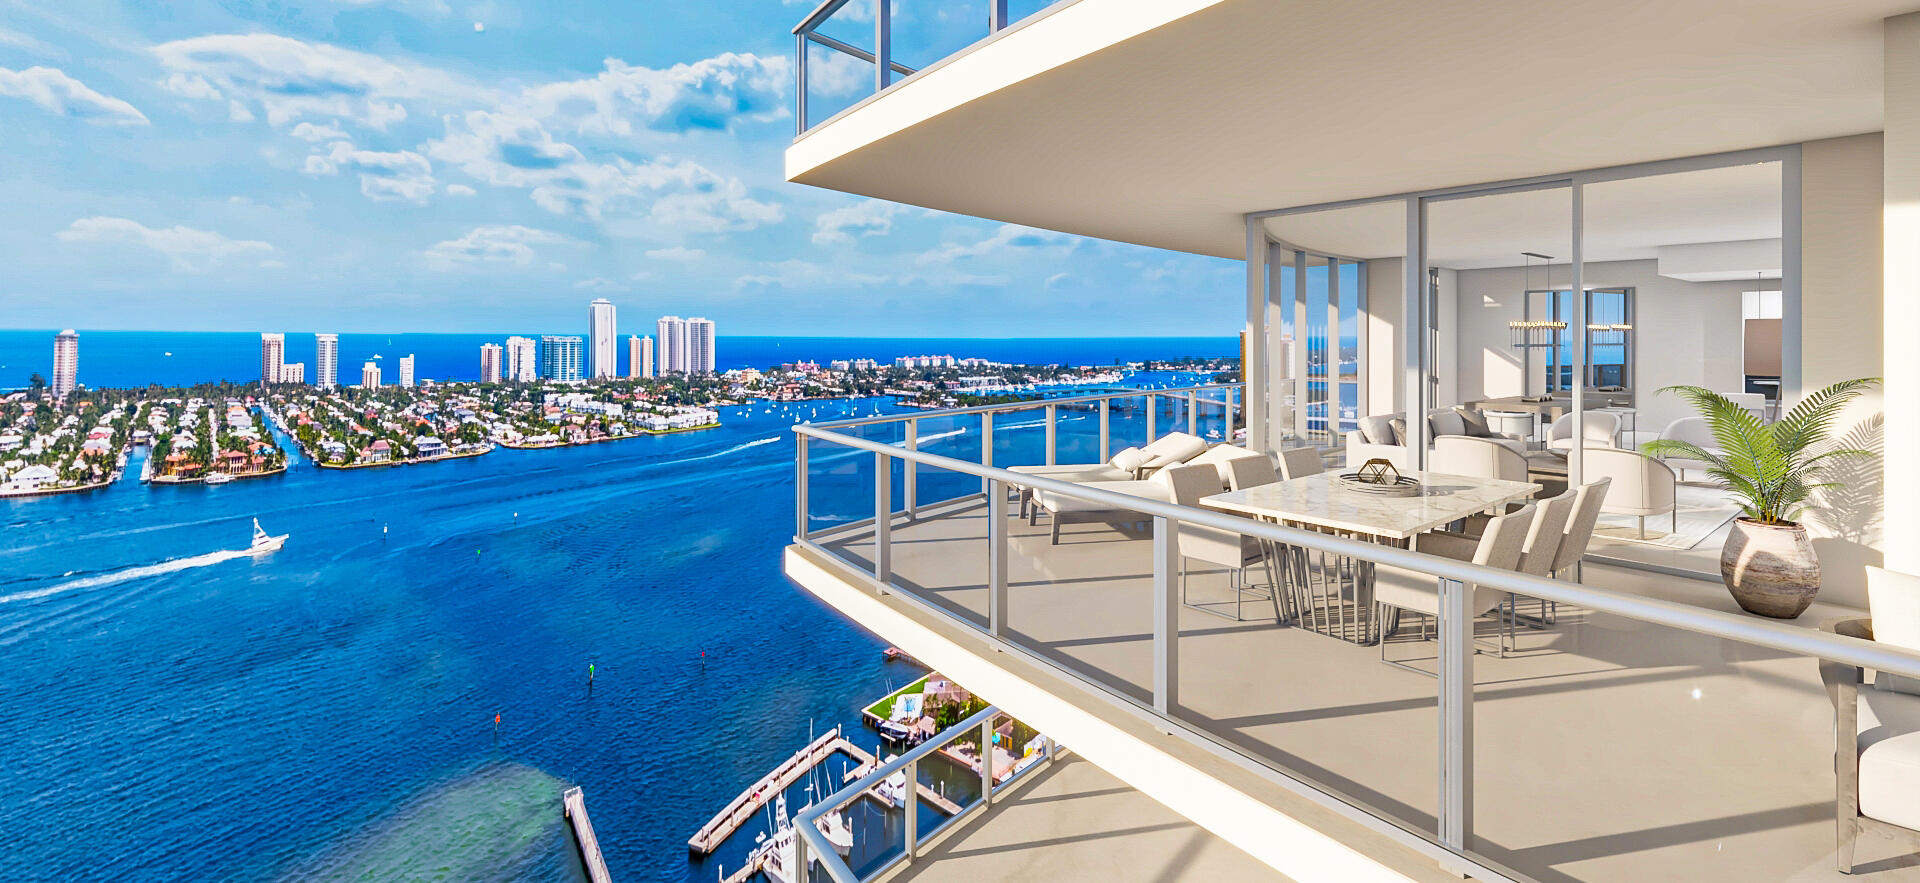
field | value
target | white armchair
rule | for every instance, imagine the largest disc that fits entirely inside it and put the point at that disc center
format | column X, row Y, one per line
column 1639, row 485
column 1598, row 429
column 1695, row 431
column 1877, row 764
column 1478, row 457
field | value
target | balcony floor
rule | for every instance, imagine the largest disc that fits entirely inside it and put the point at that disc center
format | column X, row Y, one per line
column 1606, row 749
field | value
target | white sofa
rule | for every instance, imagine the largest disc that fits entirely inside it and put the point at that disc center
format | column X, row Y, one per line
column 1374, row 438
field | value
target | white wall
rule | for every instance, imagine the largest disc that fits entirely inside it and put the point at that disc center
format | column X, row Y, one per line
column 1385, row 372
column 1684, row 332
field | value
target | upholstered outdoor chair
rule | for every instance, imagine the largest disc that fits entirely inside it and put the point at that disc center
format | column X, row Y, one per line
column 1640, row 485
column 1477, row 457
column 1876, row 761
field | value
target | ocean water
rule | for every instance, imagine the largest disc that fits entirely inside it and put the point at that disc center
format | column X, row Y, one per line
column 177, row 711
column 134, row 358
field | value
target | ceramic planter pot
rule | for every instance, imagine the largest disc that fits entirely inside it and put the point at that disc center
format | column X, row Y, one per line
column 1770, row 568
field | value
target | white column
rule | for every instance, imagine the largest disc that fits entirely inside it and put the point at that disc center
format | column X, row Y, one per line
column 1300, row 344
column 1333, row 350
column 1576, row 460
column 1413, row 333
column 1254, row 360
column 1900, row 294
column 1277, row 364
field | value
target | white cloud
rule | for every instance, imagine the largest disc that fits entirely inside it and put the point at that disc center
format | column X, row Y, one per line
column 238, row 112
column 599, row 283
column 1008, row 238
column 384, row 175
column 870, row 218
column 292, row 79
column 316, row 134
column 460, row 190
column 1056, row 280
column 186, row 248
column 711, row 93
column 491, row 244
column 54, row 91
column 838, row 74
column 30, row 44
column 676, row 253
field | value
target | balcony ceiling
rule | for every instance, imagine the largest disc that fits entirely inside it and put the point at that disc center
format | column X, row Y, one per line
column 1162, row 123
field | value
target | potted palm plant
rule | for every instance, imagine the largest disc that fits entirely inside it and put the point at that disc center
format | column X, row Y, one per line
column 1768, row 562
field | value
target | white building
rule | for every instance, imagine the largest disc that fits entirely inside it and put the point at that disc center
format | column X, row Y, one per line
column 604, row 355
column 490, row 362
column 370, row 375
column 700, row 346
column 521, row 365
column 326, row 361
column 1445, row 215
column 406, row 370
column 561, row 357
column 672, row 335
column 273, row 354
column 639, row 356
column 66, row 363
column 293, row 372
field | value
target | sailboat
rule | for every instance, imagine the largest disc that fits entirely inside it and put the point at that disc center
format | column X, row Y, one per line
column 263, row 542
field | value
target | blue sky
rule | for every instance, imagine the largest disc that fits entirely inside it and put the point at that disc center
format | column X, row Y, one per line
column 491, row 166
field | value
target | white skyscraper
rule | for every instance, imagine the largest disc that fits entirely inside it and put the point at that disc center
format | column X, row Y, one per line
column 521, row 366
column 293, row 372
column 639, row 356
column 605, row 357
column 672, row 334
column 326, row 362
column 560, row 357
column 406, row 370
column 699, row 346
column 370, row 375
column 66, row 362
column 273, row 354
column 491, row 357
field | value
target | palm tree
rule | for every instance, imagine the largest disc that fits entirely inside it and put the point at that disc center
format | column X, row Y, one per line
column 1771, row 468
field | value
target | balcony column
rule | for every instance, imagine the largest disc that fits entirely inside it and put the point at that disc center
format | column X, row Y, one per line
column 1253, row 346
column 1900, row 293
column 1333, row 351
column 882, row 44
column 1299, row 360
column 1279, row 365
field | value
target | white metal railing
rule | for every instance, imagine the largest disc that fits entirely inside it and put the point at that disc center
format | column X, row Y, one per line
column 885, row 66
column 810, row 843
column 1455, row 581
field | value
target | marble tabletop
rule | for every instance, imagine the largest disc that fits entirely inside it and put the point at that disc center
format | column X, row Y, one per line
column 1320, row 500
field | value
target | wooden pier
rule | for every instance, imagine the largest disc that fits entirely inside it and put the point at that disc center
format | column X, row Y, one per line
column 933, row 798
column 744, row 807
column 573, row 803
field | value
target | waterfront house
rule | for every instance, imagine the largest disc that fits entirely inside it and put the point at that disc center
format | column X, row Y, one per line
column 1539, row 215
column 33, row 478
column 380, row 451
column 429, row 446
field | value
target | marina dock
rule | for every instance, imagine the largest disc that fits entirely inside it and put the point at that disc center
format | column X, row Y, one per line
column 573, row 802
column 933, row 798
column 748, row 804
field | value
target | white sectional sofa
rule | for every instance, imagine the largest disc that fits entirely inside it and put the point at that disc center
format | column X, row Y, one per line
column 1376, row 437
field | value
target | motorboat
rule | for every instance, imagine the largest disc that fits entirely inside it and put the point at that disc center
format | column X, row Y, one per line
column 219, row 477
column 264, row 542
column 893, row 789
column 838, row 833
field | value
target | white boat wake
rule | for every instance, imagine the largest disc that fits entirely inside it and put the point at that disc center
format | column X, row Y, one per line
column 131, row 573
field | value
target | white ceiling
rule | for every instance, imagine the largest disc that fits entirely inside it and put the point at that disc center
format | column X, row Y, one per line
column 1168, row 136
column 1624, row 220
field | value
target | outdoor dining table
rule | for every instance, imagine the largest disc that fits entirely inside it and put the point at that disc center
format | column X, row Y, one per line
column 1333, row 594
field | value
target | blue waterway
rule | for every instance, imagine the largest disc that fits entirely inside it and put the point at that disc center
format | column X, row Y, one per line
column 174, row 714
column 133, row 358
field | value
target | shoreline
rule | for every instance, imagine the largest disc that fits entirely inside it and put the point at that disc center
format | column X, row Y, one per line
column 202, row 479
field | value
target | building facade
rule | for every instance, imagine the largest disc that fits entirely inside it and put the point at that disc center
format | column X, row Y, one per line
column 561, row 357
column 273, row 354
column 671, row 333
column 521, row 365
column 491, row 357
column 326, row 360
column 406, row 370
column 639, row 356
column 66, row 362
column 370, row 375
column 604, row 355
column 293, row 372
column 700, row 346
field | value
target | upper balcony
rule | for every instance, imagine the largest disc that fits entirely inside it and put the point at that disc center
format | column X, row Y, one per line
column 1626, row 726
column 1163, row 122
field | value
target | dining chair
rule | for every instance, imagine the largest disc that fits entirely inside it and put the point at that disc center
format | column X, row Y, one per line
column 1237, row 552
column 1500, row 546
column 1246, row 472
column 1477, row 457
column 1300, row 462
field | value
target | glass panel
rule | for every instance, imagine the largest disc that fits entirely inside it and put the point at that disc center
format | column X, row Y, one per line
column 836, row 80
column 1347, row 400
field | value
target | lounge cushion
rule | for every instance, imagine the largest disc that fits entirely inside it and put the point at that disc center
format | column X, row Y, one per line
column 1893, row 599
column 1446, row 422
column 1174, row 447
column 1220, row 457
column 1080, row 472
column 1149, row 488
column 1377, row 430
column 1475, row 423
column 1399, row 425
column 1890, row 756
column 1128, row 460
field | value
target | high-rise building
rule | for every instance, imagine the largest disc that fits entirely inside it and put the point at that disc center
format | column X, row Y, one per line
column 521, row 367
column 66, row 362
column 370, row 375
column 273, row 354
column 699, row 346
column 672, row 335
column 406, row 370
column 293, row 372
column 600, row 336
column 560, row 357
column 639, row 356
column 326, row 361
column 491, row 356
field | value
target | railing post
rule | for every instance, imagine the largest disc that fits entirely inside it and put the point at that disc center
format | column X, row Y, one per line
column 800, row 487
column 996, row 16
column 1105, row 454
column 1052, row 424
column 986, row 762
column 1152, row 415
column 1193, row 413
column 882, row 44
column 910, row 802
column 1166, row 614
column 910, row 471
column 882, row 518
column 800, row 857
column 800, row 84
column 986, row 443
column 996, row 556
column 1456, row 714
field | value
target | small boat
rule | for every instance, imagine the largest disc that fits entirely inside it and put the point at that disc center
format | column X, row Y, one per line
column 838, row 832
column 263, row 542
column 893, row 789
column 219, row 478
